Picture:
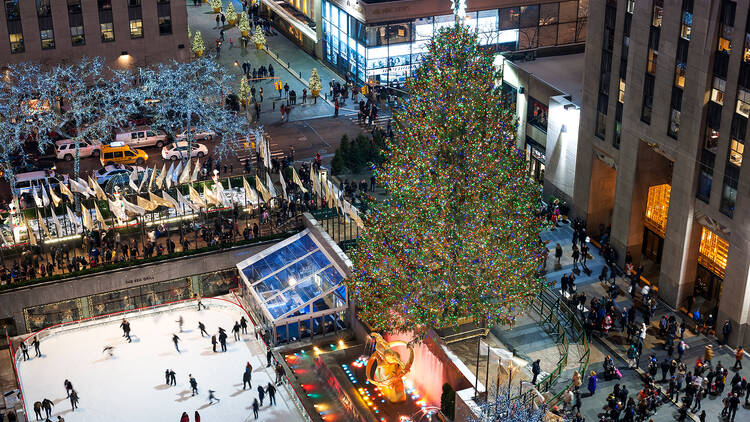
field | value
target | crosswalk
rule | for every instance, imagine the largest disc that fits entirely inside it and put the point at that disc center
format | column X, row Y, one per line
column 245, row 150
column 381, row 121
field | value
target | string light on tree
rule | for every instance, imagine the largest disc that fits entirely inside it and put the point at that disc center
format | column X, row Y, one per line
column 458, row 236
column 258, row 38
column 231, row 14
column 197, row 46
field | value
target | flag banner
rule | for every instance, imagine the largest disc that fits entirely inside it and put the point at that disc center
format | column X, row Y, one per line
column 262, row 189
column 40, row 221
column 196, row 198
column 56, row 221
column 100, row 217
column 297, row 180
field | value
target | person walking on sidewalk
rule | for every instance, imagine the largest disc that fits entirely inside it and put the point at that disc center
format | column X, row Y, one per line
column 336, row 108
column 592, row 383
column 738, row 358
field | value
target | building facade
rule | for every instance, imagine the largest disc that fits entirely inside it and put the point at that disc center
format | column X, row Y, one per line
column 382, row 41
column 125, row 32
column 666, row 102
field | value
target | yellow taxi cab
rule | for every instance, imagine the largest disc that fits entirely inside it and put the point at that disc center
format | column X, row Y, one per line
column 119, row 153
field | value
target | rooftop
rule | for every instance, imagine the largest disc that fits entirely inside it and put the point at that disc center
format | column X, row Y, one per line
column 565, row 73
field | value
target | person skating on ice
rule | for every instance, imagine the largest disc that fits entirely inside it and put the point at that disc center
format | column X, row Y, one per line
column 35, row 343
column 269, row 355
column 212, row 397
column 68, row 387
column 199, row 302
column 125, row 325
column 167, row 379
column 197, row 416
column 38, row 410
column 109, row 350
column 47, row 405
column 223, row 340
column 271, row 390
column 214, row 342
column 236, row 331
column 243, row 324
column 247, row 377
column 261, row 394
column 73, row 400
column 203, row 329
column 193, row 385
column 185, row 417
column 179, row 322
column 176, row 340
column 172, row 377
column 255, row 408
column 25, row 350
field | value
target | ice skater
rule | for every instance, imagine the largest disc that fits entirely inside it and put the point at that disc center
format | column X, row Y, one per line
column 261, row 394
column 35, row 343
column 185, row 417
column 271, row 390
column 269, row 355
column 236, row 331
column 214, row 342
column 255, row 408
column 203, row 329
column 212, row 397
column 176, row 340
column 223, row 340
column 73, row 400
column 172, row 378
column 167, row 378
column 247, row 377
column 68, row 387
column 126, row 329
column 38, row 410
column 193, row 385
column 180, row 322
column 243, row 324
column 109, row 351
column 25, row 351
column 47, row 405
column 200, row 303
column 197, row 417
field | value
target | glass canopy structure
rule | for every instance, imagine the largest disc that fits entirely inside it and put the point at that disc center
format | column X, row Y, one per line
column 294, row 289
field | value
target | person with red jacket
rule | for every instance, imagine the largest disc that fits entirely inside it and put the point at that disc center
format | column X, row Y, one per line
column 197, row 417
column 185, row 417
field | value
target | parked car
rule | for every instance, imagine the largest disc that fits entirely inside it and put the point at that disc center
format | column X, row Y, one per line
column 197, row 136
column 142, row 136
column 111, row 170
column 119, row 153
column 66, row 149
column 179, row 150
column 25, row 182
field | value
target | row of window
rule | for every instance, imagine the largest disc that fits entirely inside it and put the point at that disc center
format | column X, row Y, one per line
column 608, row 38
column 75, row 22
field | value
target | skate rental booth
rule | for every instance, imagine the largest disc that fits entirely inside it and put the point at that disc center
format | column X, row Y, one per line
column 295, row 288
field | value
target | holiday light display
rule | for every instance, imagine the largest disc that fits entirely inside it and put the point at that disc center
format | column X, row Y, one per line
column 457, row 237
column 315, row 84
column 231, row 14
column 258, row 38
column 198, row 46
column 244, row 24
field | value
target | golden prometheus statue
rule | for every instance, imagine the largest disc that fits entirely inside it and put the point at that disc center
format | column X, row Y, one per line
column 391, row 369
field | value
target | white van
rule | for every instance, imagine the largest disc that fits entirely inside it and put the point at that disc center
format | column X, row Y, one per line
column 66, row 149
column 142, row 136
column 26, row 181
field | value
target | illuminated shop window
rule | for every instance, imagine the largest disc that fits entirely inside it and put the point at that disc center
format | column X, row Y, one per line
column 657, row 208
column 713, row 252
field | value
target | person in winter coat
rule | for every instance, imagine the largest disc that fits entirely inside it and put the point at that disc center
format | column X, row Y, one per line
column 214, row 342
column 592, row 383
column 261, row 394
column 73, row 400
column 535, row 369
column 577, row 379
column 25, row 351
column 203, row 329
column 176, row 340
column 236, row 331
column 185, row 417
column 243, row 324
column 68, row 387
column 38, row 410
column 255, row 408
column 246, row 378
column 47, row 405
column 197, row 417
column 271, row 390
column 193, row 384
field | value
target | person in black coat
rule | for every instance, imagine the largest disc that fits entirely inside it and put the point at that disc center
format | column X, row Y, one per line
column 247, row 378
column 535, row 369
column 271, row 390
column 213, row 342
column 193, row 384
column 261, row 394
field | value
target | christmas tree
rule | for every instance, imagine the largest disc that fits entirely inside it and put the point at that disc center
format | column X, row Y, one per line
column 230, row 14
column 244, row 25
column 315, row 84
column 215, row 4
column 198, row 47
column 244, row 92
column 457, row 237
column 258, row 38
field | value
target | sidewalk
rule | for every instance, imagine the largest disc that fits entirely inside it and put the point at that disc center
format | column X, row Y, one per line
column 616, row 342
column 284, row 56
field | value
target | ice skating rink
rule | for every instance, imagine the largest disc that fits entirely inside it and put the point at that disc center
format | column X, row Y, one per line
column 130, row 386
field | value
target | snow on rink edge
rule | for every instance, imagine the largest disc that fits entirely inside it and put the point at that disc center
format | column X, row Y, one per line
column 131, row 385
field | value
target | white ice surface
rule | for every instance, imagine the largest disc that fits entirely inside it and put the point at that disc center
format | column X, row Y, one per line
column 130, row 386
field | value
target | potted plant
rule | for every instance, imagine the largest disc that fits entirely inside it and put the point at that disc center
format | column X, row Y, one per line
column 231, row 14
column 258, row 38
column 244, row 25
column 216, row 5
column 197, row 46
column 315, row 84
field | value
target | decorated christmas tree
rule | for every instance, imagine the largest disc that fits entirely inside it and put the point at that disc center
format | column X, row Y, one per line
column 215, row 4
column 244, row 25
column 230, row 14
column 315, row 84
column 244, row 92
column 198, row 46
column 258, row 38
column 457, row 237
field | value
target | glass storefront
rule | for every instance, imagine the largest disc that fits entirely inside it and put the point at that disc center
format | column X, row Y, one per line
column 390, row 52
column 209, row 284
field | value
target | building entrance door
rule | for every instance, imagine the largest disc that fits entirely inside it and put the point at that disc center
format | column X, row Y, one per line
column 652, row 246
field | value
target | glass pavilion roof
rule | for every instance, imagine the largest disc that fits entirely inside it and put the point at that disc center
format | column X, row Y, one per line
column 291, row 275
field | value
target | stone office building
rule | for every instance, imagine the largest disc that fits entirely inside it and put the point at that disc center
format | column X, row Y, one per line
column 663, row 125
column 126, row 33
